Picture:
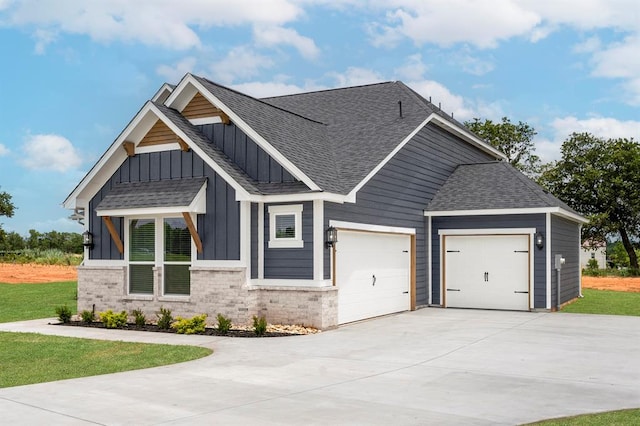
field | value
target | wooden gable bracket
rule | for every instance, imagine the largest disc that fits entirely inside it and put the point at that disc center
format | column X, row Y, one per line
column 130, row 147
column 224, row 117
column 183, row 145
column 192, row 231
column 114, row 234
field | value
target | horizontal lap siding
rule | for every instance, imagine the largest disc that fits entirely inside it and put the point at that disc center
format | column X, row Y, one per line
column 290, row 263
column 565, row 240
column 245, row 153
column 219, row 228
column 398, row 194
column 536, row 221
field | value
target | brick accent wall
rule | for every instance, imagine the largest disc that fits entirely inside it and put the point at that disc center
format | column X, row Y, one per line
column 213, row 290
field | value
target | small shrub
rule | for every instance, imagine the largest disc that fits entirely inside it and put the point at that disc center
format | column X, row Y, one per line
column 224, row 324
column 190, row 326
column 87, row 316
column 592, row 264
column 164, row 318
column 259, row 325
column 112, row 320
column 139, row 319
column 64, row 313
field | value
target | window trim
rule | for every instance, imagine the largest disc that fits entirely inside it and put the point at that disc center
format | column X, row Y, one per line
column 282, row 210
column 158, row 263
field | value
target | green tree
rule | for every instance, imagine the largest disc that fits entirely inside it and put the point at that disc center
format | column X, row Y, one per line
column 600, row 179
column 514, row 140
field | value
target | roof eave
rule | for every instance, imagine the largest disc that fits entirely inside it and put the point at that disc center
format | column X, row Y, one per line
column 558, row 211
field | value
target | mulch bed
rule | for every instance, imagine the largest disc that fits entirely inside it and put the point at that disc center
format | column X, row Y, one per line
column 208, row 331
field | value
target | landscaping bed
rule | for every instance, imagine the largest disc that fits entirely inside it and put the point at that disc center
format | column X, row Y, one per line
column 272, row 330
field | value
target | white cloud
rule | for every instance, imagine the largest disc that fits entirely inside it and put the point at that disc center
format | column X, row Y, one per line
column 273, row 36
column 3, row 150
column 240, row 62
column 621, row 60
column 151, row 22
column 50, row 152
column 413, row 68
column 470, row 63
column 43, row 39
column 63, row 224
column 604, row 127
column 174, row 73
column 355, row 76
column 589, row 45
column 443, row 97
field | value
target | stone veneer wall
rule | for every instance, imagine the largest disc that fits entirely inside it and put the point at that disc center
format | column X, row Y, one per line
column 214, row 290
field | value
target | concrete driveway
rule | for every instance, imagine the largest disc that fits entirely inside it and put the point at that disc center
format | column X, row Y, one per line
column 432, row 366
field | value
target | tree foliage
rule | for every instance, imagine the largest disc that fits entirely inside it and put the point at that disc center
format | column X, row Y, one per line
column 514, row 140
column 6, row 206
column 600, row 179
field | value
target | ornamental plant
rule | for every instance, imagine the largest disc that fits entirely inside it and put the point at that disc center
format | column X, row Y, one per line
column 164, row 318
column 190, row 325
column 259, row 325
column 224, row 324
column 64, row 313
column 112, row 320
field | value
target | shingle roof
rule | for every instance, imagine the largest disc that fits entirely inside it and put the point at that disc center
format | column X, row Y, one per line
column 488, row 186
column 163, row 193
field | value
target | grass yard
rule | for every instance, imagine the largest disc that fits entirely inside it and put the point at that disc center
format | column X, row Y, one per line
column 606, row 302
column 611, row 418
column 36, row 358
column 31, row 301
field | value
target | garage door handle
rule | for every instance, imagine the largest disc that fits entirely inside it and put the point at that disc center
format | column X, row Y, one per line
column 486, row 277
column 405, row 292
column 374, row 281
column 525, row 292
column 453, row 289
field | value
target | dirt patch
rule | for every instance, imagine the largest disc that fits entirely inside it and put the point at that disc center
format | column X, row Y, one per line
column 612, row 283
column 15, row 273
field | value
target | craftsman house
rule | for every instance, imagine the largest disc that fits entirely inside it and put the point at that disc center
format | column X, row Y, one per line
column 319, row 208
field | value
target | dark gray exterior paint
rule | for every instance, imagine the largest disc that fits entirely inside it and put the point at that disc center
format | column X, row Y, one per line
column 290, row 263
column 245, row 153
column 398, row 194
column 219, row 229
column 537, row 221
column 565, row 240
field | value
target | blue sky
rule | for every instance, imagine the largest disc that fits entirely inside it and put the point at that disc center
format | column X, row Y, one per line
column 75, row 72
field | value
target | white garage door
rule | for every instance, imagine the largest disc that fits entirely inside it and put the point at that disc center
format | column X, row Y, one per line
column 373, row 274
column 487, row 271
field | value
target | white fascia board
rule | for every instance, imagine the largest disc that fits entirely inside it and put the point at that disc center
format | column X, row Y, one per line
column 205, row 120
column 146, row 211
column 264, row 144
column 290, row 198
column 442, row 123
column 241, row 193
column 366, row 227
column 500, row 212
column 164, row 88
column 107, row 157
column 469, row 137
column 372, row 173
column 548, row 259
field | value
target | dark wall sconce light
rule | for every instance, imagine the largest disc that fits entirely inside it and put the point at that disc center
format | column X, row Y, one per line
column 332, row 236
column 539, row 240
column 87, row 239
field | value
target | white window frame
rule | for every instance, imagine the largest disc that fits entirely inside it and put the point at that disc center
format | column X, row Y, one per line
column 159, row 261
column 291, row 209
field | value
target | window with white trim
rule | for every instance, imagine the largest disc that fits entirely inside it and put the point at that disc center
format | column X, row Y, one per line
column 285, row 226
column 164, row 243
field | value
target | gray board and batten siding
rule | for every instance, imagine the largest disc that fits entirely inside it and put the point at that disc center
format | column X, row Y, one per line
column 537, row 221
column 565, row 240
column 398, row 194
column 244, row 152
column 219, row 228
column 290, row 263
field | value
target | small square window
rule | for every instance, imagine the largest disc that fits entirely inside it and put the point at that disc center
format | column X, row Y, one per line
column 285, row 226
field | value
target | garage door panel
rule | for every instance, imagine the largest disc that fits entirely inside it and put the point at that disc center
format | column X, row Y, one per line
column 487, row 272
column 372, row 274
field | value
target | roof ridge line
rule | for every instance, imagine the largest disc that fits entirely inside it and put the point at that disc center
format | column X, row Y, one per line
column 261, row 101
column 330, row 89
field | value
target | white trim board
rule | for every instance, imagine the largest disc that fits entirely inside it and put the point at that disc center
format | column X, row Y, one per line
column 189, row 79
column 488, row 231
column 501, row 212
column 353, row 226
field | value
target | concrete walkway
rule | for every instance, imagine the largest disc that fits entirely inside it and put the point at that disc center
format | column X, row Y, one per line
column 432, row 366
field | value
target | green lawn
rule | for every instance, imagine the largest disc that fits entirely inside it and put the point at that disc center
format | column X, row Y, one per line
column 31, row 301
column 36, row 358
column 611, row 418
column 606, row 302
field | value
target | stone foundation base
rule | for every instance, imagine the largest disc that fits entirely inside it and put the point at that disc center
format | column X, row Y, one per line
column 213, row 291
